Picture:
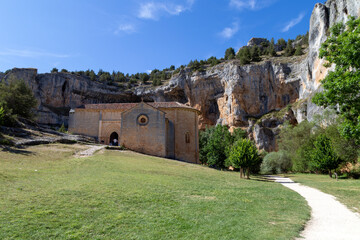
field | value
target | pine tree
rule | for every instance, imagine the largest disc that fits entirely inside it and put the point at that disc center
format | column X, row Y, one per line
column 255, row 54
column 289, row 50
column 298, row 51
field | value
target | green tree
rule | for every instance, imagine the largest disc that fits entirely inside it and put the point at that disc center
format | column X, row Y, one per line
column 342, row 86
column 16, row 98
column 297, row 141
column 271, row 48
column 64, row 70
column 229, row 54
column 255, row 54
column 289, row 50
column 216, row 146
column 281, row 43
column 298, row 51
column 244, row 56
column 54, row 70
column 244, row 155
column 323, row 156
column 172, row 68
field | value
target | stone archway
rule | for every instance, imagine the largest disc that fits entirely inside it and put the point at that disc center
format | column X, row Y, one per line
column 114, row 139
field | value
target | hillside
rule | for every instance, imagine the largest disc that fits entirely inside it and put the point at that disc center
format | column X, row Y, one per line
column 48, row 193
column 227, row 93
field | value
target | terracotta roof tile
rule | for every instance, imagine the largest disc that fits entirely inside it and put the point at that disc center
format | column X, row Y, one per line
column 126, row 106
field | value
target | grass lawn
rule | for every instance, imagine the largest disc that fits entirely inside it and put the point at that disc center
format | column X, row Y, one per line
column 346, row 191
column 46, row 193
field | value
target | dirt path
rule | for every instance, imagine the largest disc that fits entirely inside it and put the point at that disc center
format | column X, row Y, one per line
column 329, row 218
column 90, row 151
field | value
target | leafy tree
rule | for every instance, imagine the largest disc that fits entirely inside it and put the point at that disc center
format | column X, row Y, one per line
column 323, row 156
column 244, row 155
column 342, row 86
column 297, row 140
column 216, row 146
column 54, row 70
column 16, row 98
column 298, row 51
column 229, row 54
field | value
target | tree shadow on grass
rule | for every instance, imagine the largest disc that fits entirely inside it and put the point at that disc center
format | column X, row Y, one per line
column 16, row 150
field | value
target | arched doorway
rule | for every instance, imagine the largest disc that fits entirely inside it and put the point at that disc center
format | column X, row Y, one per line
column 114, row 139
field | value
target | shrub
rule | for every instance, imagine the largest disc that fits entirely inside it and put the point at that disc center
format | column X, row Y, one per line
column 244, row 155
column 54, row 70
column 298, row 51
column 276, row 162
column 62, row 129
column 2, row 115
column 355, row 172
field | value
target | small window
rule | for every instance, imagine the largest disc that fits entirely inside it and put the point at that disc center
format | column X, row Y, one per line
column 187, row 137
column 142, row 119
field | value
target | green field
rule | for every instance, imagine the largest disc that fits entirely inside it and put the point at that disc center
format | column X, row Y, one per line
column 47, row 193
column 346, row 191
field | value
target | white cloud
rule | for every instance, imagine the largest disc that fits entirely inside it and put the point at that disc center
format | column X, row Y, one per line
column 250, row 4
column 293, row 22
column 29, row 53
column 228, row 32
column 126, row 28
column 153, row 10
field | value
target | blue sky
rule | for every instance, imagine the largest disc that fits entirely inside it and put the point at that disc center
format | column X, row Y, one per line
column 138, row 35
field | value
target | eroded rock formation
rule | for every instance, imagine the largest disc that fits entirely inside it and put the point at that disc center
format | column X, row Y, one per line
column 227, row 93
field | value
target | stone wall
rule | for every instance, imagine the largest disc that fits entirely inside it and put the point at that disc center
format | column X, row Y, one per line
column 149, row 138
column 85, row 122
column 185, row 123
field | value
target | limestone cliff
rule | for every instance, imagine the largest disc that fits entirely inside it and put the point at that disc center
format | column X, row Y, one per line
column 227, row 93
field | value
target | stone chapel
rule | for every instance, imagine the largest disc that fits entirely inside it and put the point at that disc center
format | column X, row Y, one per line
column 164, row 129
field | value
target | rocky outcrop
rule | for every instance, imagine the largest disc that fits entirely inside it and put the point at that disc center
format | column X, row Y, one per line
column 227, row 93
column 57, row 93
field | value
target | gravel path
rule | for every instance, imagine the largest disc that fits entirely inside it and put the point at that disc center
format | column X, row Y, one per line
column 329, row 218
column 90, row 151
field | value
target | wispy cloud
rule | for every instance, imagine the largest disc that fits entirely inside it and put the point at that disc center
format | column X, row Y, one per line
column 153, row 10
column 31, row 54
column 251, row 4
column 125, row 28
column 293, row 22
column 229, row 32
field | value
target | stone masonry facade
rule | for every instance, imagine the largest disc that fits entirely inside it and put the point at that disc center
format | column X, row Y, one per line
column 164, row 129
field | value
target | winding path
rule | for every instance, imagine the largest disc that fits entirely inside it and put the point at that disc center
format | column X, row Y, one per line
column 90, row 151
column 329, row 218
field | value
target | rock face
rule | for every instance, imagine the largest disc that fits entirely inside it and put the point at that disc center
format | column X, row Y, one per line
column 57, row 93
column 323, row 17
column 227, row 93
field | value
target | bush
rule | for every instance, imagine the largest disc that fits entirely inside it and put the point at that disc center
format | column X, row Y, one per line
column 2, row 115
column 276, row 162
column 62, row 129
column 244, row 155
column 354, row 172
column 54, row 70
